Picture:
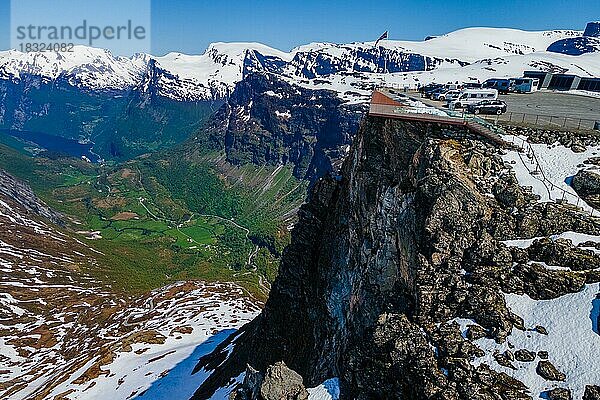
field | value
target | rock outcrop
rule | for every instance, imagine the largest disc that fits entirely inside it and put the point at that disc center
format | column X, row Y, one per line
column 21, row 193
column 592, row 392
column 268, row 121
column 277, row 383
column 559, row 394
column 386, row 256
column 587, row 185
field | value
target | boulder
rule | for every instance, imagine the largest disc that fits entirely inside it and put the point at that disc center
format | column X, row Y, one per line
column 548, row 371
column 559, row 394
column 592, row 392
column 524, row 355
column 278, row 383
column 586, row 183
column 281, row 383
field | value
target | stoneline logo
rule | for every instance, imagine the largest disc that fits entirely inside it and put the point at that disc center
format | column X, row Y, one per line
column 122, row 27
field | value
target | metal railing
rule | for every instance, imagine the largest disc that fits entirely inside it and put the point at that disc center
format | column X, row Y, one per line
column 551, row 121
column 431, row 114
column 538, row 173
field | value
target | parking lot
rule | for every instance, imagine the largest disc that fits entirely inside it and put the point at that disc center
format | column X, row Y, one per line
column 554, row 104
column 544, row 108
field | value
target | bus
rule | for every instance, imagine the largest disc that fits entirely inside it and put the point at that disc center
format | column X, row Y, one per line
column 524, row 85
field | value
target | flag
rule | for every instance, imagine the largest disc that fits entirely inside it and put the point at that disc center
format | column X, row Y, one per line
column 384, row 36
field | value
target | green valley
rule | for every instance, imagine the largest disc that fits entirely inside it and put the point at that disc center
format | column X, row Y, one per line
column 165, row 217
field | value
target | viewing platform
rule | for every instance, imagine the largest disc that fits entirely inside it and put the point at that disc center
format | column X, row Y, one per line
column 392, row 103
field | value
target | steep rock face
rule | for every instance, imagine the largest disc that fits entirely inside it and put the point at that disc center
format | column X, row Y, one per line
column 576, row 46
column 384, row 259
column 592, row 29
column 268, row 121
column 21, row 193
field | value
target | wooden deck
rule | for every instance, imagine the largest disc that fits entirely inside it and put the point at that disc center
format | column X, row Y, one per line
column 390, row 110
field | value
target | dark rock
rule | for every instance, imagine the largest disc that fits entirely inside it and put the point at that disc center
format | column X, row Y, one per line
column 475, row 332
column 524, row 355
column 587, row 185
column 281, row 383
column 21, row 193
column 559, row 394
column 543, row 355
column 592, row 29
column 540, row 329
column 586, row 182
column 539, row 282
column 562, row 252
column 504, row 359
column 548, row 371
column 250, row 389
column 308, row 129
column 592, row 392
column 381, row 259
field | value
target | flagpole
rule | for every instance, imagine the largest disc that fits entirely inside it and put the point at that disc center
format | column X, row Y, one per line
column 384, row 66
column 383, row 37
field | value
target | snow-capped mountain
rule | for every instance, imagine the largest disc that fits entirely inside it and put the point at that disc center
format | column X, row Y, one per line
column 86, row 67
column 341, row 67
column 588, row 43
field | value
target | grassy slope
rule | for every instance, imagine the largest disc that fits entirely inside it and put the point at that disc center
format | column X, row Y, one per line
column 164, row 218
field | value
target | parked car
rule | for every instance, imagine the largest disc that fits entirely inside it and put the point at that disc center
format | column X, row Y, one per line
column 488, row 107
column 448, row 95
column 431, row 93
column 429, row 87
column 436, row 95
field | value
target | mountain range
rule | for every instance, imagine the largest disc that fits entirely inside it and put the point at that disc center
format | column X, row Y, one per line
column 213, row 74
column 124, row 107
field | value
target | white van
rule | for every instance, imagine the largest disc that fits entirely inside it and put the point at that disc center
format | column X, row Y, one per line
column 473, row 96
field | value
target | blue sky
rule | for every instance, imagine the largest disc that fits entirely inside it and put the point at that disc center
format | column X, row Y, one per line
column 190, row 25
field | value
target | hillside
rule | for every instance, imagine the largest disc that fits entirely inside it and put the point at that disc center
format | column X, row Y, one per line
column 65, row 331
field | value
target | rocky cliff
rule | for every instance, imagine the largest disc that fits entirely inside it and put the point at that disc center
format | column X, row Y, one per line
column 390, row 259
column 268, row 121
column 11, row 189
